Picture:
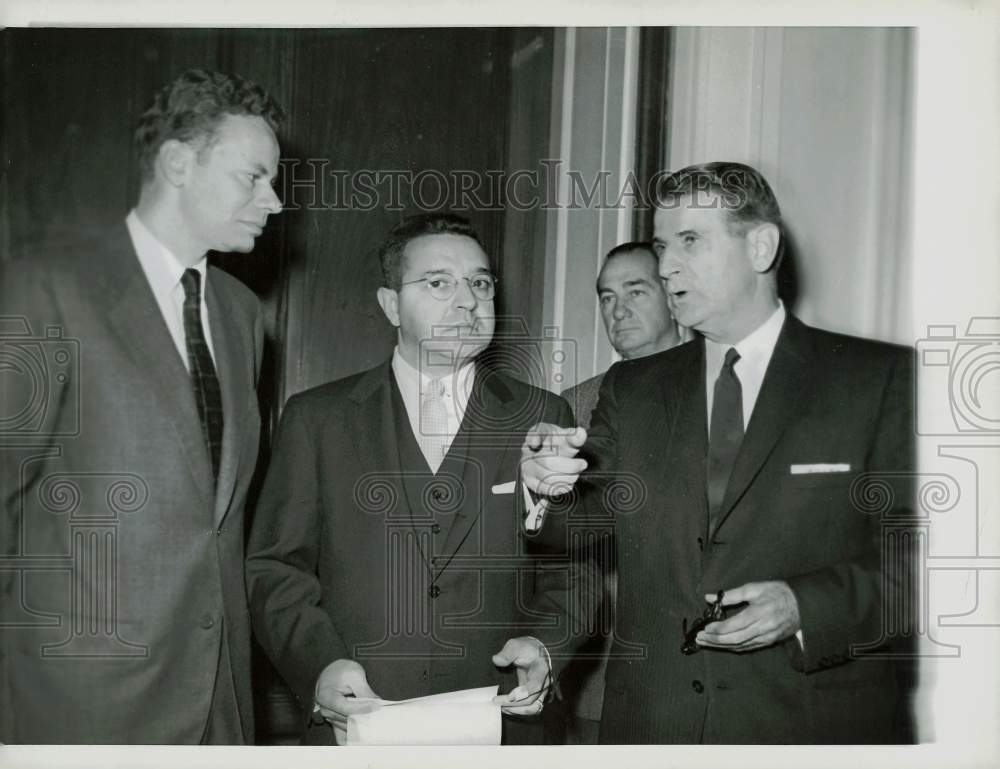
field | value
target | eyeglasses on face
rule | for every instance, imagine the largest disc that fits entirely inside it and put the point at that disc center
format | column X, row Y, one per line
column 443, row 286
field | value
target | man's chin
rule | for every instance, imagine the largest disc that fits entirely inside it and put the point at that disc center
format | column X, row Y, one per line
column 456, row 353
column 243, row 248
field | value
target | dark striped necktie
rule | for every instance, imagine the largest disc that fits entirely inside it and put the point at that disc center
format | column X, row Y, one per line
column 207, row 394
column 725, row 434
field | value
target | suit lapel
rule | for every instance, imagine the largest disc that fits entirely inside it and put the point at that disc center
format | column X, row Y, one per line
column 481, row 445
column 231, row 357
column 374, row 428
column 135, row 317
column 682, row 471
column 785, row 388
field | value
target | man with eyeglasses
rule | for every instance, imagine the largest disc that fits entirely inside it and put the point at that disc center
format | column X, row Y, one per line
column 388, row 558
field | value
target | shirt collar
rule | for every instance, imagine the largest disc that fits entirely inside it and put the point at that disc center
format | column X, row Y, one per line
column 409, row 379
column 162, row 268
column 758, row 345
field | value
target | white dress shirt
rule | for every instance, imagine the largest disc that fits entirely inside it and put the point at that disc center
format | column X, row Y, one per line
column 163, row 271
column 755, row 352
column 457, row 391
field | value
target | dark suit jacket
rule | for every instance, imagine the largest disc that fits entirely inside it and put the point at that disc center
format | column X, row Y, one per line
column 350, row 528
column 582, row 398
column 128, row 564
column 826, row 399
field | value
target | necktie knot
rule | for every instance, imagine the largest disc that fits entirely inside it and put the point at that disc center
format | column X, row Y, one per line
column 191, row 281
column 732, row 357
column 434, row 389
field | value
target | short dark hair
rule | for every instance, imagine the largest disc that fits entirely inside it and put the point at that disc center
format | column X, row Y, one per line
column 633, row 246
column 746, row 196
column 390, row 253
column 630, row 247
column 191, row 107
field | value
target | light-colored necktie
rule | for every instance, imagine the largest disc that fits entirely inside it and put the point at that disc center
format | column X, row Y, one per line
column 433, row 438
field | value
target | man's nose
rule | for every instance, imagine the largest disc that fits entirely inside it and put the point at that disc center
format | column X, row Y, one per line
column 268, row 200
column 620, row 310
column 668, row 264
column 464, row 297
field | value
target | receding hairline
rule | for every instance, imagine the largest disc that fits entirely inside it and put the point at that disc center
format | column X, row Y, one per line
column 404, row 258
column 616, row 257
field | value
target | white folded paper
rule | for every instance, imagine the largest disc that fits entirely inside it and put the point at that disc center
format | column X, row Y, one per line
column 466, row 717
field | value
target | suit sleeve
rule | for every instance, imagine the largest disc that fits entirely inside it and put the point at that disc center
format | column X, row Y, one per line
column 601, row 448
column 569, row 585
column 30, row 407
column 283, row 587
column 844, row 604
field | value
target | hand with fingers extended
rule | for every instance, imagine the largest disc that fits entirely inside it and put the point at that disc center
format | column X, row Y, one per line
column 341, row 691
column 771, row 615
column 534, row 675
column 549, row 465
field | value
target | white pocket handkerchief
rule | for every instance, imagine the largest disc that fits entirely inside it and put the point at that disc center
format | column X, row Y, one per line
column 505, row 488
column 820, row 468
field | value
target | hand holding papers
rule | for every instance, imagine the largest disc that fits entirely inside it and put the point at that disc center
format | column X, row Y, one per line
column 467, row 717
column 342, row 691
column 534, row 666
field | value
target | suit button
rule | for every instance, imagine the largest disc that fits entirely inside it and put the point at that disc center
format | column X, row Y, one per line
column 436, row 528
column 207, row 621
column 437, row 494
column 697, row 686
column 433, row 591
column 218, row 532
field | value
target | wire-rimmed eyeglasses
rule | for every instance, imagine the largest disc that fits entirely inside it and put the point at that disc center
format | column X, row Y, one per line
column 443, row 287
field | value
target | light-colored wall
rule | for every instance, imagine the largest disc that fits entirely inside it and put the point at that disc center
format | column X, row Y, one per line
column 593, row 136
column 825, row 114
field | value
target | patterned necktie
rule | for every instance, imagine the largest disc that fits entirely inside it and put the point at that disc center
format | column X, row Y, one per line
column 207, row 394
column 433, row 436
column 725, row 434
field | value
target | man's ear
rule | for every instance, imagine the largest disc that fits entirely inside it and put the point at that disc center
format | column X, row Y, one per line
column 763, row 240
column 388, row 300
column 173, row 161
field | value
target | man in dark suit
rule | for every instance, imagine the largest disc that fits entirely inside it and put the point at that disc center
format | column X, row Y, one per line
column 756, row 449
column 636, row 314
column 388, row 557
column 124, row 607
